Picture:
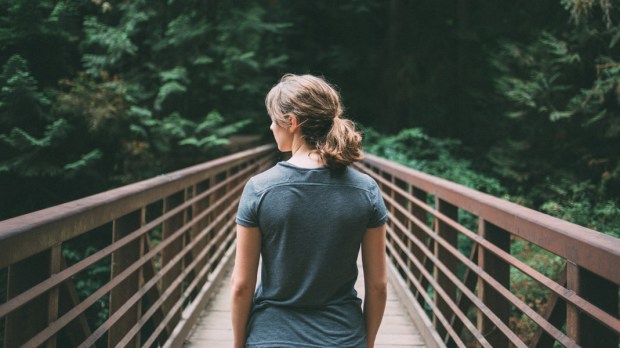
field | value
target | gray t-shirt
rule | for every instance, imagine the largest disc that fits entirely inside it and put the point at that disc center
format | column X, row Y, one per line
column 312, row 222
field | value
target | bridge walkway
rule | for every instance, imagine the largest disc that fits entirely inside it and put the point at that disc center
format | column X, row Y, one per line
column 213, row 328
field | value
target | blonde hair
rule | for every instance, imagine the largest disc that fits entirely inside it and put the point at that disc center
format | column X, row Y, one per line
column 316, row 105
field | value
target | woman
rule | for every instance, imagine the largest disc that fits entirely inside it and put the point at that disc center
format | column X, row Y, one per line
column 307, row 218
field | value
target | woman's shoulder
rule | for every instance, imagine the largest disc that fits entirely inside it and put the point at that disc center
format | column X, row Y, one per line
column 270, row 177
column 360, row 179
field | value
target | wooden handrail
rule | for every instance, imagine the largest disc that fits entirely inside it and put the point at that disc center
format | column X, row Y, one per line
column 190, row 213
column 171, row 237
column 424, row 235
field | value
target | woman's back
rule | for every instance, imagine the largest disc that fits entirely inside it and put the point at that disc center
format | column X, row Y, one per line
column 312, row 222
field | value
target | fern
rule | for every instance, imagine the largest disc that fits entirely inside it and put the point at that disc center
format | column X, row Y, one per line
column 166, row 90
column 174, row 81
column 114, row 41
column 84, row 161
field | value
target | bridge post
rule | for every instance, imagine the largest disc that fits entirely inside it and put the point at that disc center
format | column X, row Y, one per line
column 387, row 191
column 602, row 293
column 420, row 214
column 449, row 234
column 398, row 215
column 219, row 193
column 171, row 225
column 500, row 271
column 25, row 322
column 54, row 294
column 122, row 259
column 197, row 209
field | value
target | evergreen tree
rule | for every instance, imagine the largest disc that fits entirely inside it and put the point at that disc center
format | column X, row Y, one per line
column 562, row 102
column 34, row 145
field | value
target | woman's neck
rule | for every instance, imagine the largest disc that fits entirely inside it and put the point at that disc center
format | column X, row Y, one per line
column 304, row 156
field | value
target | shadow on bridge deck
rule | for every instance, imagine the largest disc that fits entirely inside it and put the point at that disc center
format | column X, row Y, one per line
column 213, row 329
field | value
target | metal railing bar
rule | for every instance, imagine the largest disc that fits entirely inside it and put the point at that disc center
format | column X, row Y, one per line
column 222, row 248
column 454, row 279
column 37, row 290
column 578, row 243
column 147, row 315
column 535, row 316
column 568, row 295
column 197, row 279
column 175, row 308
column 152, row 282
column 213, row 280
column 67, row 220
column 414, row 219
column 57, row 325
column 432, row 305
column 403, row 193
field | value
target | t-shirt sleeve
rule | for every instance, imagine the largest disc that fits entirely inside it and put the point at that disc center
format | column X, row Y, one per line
column 247, row 214
column 378, row 212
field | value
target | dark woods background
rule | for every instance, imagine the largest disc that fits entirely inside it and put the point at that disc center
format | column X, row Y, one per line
column 518, row 99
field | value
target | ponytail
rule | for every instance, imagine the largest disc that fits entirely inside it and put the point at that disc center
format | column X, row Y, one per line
column 317, row 106
column 342, row 145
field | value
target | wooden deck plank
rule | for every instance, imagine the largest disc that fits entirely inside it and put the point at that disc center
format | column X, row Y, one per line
column 214, row 327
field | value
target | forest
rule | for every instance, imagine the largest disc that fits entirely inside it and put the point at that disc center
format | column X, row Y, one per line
column 521, row 101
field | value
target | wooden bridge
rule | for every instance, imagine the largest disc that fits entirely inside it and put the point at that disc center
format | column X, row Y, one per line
column 161, row 249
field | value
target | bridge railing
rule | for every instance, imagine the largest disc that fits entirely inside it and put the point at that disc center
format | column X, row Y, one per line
column 156, row 248
column 455, row 253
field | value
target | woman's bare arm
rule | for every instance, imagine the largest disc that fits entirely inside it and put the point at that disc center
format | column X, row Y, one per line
column 375, row 280
column 243, row 280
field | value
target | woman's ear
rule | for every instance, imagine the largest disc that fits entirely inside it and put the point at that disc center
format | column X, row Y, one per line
column 294, row 123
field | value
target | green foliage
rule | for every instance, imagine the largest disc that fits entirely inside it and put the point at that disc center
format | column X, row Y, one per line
column 580, row 9
column 524, row 106
column 583, row 206
column 174, row 81
column 210, row 132
column 113, row 42
column 19, row 94
column 27, row 150
column 441, row 157
column 125, row 90
column 561, row 97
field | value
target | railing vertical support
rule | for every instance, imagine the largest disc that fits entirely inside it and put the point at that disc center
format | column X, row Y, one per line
column 387, row 191
column 420, row 214
column 170, row 226
column 572, row 313
column 447, row 233
column 398, row 215
column 52, row 311
column 122, row 259
column 27, row 321
column 601, row 293
column 500, row 271
column 78, row 330
column 221, row 192
column 198, row 208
